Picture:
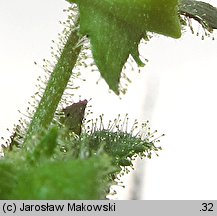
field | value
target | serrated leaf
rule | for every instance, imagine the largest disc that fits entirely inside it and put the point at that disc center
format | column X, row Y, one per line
column 45, row 147
column 115, row 28
column 202, row 12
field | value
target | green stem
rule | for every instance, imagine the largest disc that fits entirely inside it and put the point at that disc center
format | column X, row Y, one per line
column 55, row 87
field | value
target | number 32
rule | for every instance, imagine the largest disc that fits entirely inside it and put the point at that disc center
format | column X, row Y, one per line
column 207, row 207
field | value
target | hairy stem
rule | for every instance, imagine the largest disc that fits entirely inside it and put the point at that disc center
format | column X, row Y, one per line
column 55, row 87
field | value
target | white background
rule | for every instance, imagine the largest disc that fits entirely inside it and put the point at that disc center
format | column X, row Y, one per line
column 176, row 91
